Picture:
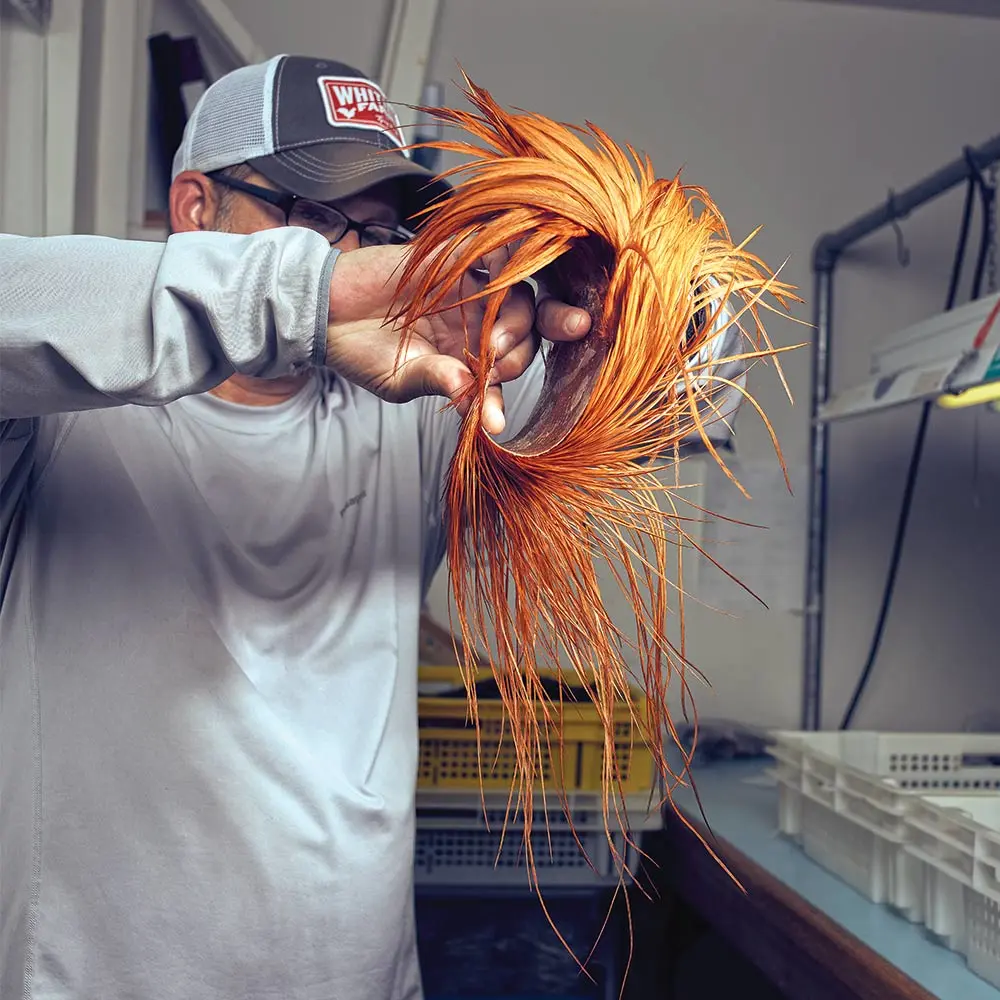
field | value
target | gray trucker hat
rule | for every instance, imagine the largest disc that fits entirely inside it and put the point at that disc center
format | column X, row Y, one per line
column 317, row 128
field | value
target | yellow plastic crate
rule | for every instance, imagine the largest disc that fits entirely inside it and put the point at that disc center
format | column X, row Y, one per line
column 448, row 750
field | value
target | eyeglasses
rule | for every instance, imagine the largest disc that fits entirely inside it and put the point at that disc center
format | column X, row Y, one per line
column 326, row 220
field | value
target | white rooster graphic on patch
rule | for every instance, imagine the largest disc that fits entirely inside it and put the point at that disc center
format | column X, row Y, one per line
column 357, row 102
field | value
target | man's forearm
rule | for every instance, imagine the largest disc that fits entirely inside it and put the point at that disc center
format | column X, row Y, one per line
column 87, row 322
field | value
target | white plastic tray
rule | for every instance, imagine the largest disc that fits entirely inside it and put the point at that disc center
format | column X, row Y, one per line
column 853, row 791
column 911, row 820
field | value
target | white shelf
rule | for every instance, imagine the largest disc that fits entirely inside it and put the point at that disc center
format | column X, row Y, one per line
column 925, row 361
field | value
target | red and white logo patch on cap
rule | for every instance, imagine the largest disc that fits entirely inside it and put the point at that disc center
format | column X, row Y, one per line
column 354, row 102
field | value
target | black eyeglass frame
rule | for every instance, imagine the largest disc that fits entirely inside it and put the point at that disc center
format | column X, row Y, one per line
column 285, row 202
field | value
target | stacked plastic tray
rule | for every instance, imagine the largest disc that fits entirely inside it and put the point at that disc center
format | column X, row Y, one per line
column 910, row 820
column 463, row 796
column 459, row 842
column 450, row 757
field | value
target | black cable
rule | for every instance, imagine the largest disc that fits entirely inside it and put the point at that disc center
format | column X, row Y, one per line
column 963, row 240
column 975, row 181
column 897, row 551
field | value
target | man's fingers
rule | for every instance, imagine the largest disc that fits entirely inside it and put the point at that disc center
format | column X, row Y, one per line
column 427, row 375
column 493, row 418
column 493, row 415
column 495, row 261
column 441, row 375
column 515, row 362
column 558, row 321
column 520, row 325
column 515, row 320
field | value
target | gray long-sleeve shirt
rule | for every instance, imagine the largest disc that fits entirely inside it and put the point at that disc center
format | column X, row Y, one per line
column 209, row 616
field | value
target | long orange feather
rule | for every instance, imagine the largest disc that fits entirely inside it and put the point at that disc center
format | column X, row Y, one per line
column 530, row 521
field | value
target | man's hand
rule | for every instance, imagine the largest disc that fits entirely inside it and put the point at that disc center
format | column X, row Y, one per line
column 363, row 348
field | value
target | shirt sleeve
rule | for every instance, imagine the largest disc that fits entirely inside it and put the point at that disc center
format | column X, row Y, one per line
column 90, row 322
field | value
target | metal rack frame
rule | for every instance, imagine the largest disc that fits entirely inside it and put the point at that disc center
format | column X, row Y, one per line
column 826, row 253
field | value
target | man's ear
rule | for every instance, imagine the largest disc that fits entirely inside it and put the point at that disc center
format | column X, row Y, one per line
column 194, row 203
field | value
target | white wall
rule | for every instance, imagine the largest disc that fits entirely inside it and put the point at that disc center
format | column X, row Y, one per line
column 71, row 111
column 39, row 75
column 800, row 116
column 350, row 32
column 22, row 131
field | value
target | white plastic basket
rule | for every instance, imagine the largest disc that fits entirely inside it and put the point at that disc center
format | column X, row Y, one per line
column 908, row 819
column 847, row 796
column 867, row 858
column 890, row 767
column 982, row 935
column 944, row 906
column 957, row 839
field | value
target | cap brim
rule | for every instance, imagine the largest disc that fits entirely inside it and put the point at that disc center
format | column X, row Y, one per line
column 331, row 171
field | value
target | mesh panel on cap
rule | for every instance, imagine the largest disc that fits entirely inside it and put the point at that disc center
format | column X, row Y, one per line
column 232, row 121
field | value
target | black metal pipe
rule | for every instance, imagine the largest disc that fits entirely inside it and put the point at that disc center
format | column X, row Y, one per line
column 819, row 467
column 826, row 253
column 829, row 246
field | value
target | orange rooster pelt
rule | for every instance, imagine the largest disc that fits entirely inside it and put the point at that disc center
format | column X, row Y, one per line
column 530, row 521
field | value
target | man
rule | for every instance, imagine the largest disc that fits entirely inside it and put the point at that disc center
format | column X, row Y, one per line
column 211, row 596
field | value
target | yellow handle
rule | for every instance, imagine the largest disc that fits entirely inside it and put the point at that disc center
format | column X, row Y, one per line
column 989, row 392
